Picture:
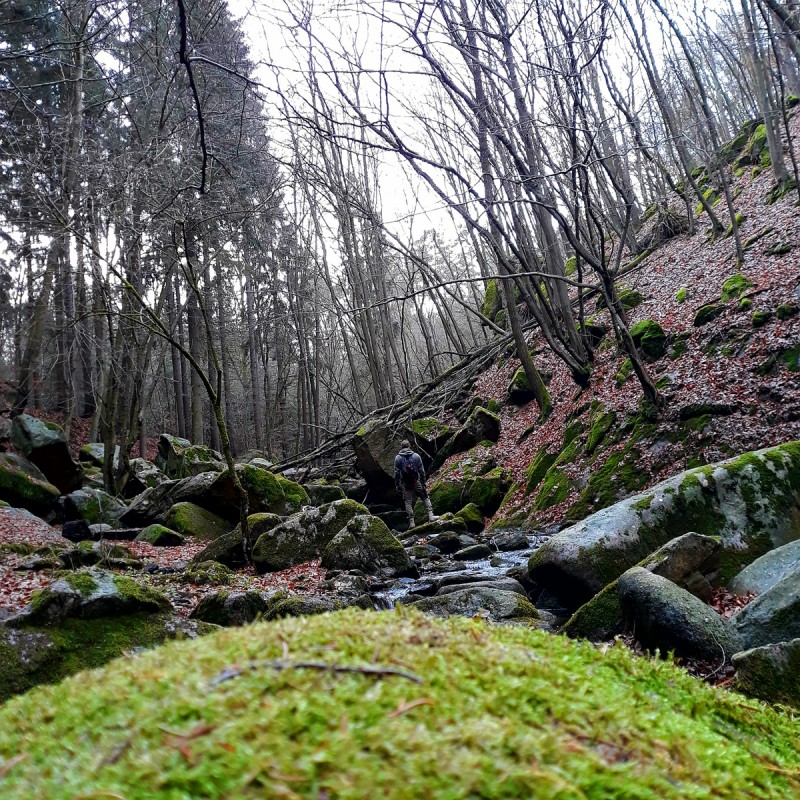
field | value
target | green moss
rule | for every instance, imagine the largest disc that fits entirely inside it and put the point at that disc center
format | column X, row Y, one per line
column 650, row 338
column 681, row 294
column 711, row 196
column 554, row 490
column 22, row 490
column 740, row 219
column 81, row 582
column 487, row 491
column 189, row 519
column 600, row 424
column 571, row 266
column 791, row 358
column 786, row 310
column 745, row 304
column 295, row 496
column 471, row 516
column 628, row 297
column 524, row 714
column 624, row 372
column 634, row 262
column 428, row 427
column 263, row 484
column 735, row 286
column 491, row 301
column 760, row 318
column 598, row 619
column 447, row 496
column 707, row 313
column 130, row 589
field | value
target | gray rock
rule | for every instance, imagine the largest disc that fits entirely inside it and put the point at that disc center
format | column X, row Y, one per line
column 474, row 552
column 159, row 536
column 446, row 524
column 770, row 569
column 89, row 594
column 88, row 553
column 93, row 505
column 510, row 540
column 773, row 616
column 229, row 609
column 771, row 672
column 94, row 454
column 23, row 485
column 481, row 425
column 495, row 605
column 666, row 617
column 504, row 584
column 366, row 544
column 751, row 502
column 179, row 458
column 208, row 573
column 44, row 444
column 303, row 536
column 144, row 475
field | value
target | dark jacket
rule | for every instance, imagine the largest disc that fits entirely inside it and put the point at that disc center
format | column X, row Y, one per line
column 407, row 454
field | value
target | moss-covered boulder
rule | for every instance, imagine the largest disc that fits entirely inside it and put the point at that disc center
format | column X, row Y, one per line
column 23, row 485
column 773, row 616
column 229, row 609
column 104, row 553
column 36, row 655
column 366, row 544
column 735, row 286
column 665, row 617
column 482, row 425
column 208, row 573
column 303, row 536
column 94, row 454
column 650, row 338
column 519, row 390
column 160, row 536
column 751, row 502
column 143, row 475
column 228, row 548
column 446, row 524
column 294, row 495
column 496, row 605
column 706, row 313
column 492, row 301
column 448, row 495
column 691, row 561
column 468, row 712
column 472, row 517
column 93, row 505
column 189, row 519
column 320, row 492
column 88, row 594
column 487, row 491
column 179, row 458
column 45, row 445
column 771, row 672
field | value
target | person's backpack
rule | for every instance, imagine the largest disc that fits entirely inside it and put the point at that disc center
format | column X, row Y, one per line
column 408, row 472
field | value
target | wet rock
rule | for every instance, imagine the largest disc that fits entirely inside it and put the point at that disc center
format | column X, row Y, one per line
column 448, row 542
column 666, row 617
column 504, row 584
column 475, row 552
column 509, row 541
column 495, row 605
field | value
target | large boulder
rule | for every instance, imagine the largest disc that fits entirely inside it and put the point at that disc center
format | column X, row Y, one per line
column 481, row 425
column 94, row 454
column 366, row 544
column 691, row 561
column 179, row 458
column 35, row 655
column 213, row 491
column 770, row 569
column 189, row 519
column 88, row 594
column 303, row 536
column 229, row 609
column 771, row 672
column 666, row 617
column 295, row 496
column 773, row 616
column 23, row 485
column 159, row 536
column 751, row 502
column 282, row 605
column 105, row 553
column 93, row 505
column 143, row 475
column 496, row 605
column 44, row 444
column 320, row 492
column 504, row 584
column 228, row 550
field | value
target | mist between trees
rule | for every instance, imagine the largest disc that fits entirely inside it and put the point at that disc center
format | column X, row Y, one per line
column 194, row 237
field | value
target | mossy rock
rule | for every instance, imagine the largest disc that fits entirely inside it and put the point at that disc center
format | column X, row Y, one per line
column 95, row 454
column 629, row 298
column 495, row 605
column 787, row 311
column 282, row 605
column 34, row 656
column 472, row 517
column 229, row 609
column 366, row 544
column 735, row 286
column 44, row 444
column 320, row 493
column 446, row 524
column 179, row 458
column 23, row 485
column 228, row 548
column 303, row 536
column 160, row 536
column 95, row 506
column 650, row 338
column 208, row 573
column 447, row 495
column 482, row 425
column 189, row 519
column 295, row 496
column 771, row 673
column 760, row 318
column 492, row 302
column 487, row 491
column 752, row 502
column 706, row 313
column 519, row 390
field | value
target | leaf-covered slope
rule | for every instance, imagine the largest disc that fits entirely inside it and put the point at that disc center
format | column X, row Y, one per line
column 497, row 712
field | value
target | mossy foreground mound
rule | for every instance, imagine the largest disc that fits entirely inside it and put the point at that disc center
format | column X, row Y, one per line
column 478, row 712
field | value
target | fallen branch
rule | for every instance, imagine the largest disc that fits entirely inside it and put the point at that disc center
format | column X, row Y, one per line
column 322, row 666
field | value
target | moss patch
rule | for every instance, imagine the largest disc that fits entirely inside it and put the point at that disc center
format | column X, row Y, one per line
column 506, row 712
column 295, row 496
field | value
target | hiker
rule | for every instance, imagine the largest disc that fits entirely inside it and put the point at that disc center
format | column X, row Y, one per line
column 409, row 480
